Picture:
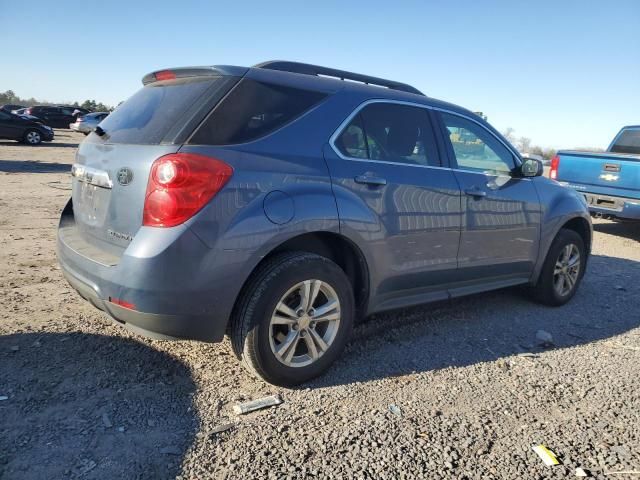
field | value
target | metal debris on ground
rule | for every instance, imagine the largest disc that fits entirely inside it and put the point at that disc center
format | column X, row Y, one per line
column 545, row 338
column 222, row 428
column 395, row 410
column 253, row 405
column 546, row 455
column 106, row 421
column 581, row 472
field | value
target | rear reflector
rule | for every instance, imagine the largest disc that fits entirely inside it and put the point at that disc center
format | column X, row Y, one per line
column 122, row 303
column 555, row 163
column 165, row 75
column 179, row 185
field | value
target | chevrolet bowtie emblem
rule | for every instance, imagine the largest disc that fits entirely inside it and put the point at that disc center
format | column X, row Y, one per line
column 609, row 177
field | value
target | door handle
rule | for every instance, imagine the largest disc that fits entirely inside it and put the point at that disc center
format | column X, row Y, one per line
column 475, row 192
column 370, row 180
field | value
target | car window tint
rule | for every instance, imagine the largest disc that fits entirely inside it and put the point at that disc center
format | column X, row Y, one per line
column 475, row 148
column 352, row 142
column 147, row 116
column 391, row 133
column 628, row 141
column 252, row 110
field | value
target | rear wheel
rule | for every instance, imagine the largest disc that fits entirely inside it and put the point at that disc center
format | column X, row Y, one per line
column 32, row 137
column 563, row 269
column 293, row 319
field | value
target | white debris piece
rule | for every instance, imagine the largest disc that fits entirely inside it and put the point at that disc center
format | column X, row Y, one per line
column 253, row 405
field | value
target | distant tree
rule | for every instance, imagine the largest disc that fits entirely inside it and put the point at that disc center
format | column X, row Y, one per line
column 96, row 106
column 524, row 144
column 509, row 134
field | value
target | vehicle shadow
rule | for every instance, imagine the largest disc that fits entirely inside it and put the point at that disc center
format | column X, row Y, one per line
column 43, row 144
column 31, row 166
column 630, row 230
column 486, row 327
column 92, row 406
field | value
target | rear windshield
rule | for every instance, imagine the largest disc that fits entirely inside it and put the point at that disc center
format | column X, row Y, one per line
column 150, row 114
column 628, row 141
column 254, row 109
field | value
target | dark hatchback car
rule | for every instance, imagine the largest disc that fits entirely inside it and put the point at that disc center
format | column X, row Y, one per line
column 28, row 130
column 278, row 203
column 11, row 107
column 56, row 117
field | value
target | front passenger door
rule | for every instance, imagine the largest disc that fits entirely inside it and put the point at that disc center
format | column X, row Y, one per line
column 501, row 212
column 396, row 200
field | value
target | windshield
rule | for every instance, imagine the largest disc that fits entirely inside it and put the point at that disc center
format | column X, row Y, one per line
column 627, row 141
column 150, row 113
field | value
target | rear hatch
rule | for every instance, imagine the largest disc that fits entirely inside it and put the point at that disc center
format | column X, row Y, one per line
column 113, row 164
column 607, row 173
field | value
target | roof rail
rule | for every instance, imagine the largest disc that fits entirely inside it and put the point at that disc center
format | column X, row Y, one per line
column 308, row 69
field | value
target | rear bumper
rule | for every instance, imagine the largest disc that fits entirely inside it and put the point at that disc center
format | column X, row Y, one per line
column 152, row 325
column 613, row 207
column 172, row 295
column 80, row 127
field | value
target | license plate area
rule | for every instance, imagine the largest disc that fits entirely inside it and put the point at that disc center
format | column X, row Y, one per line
column 90, row 203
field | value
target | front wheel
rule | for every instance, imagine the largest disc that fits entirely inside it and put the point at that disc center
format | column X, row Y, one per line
column 32, row 137
column 293, row 319
column 563, row 269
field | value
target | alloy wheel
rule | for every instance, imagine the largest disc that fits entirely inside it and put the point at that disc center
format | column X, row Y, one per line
column 304, row 323
column 566, row 270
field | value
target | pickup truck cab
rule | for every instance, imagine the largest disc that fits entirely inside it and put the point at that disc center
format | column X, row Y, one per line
column 609, row 181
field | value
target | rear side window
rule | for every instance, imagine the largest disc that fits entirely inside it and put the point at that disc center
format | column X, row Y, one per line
column 390, row 132
column 252, row 110
column 154, row 110
column 628, row 141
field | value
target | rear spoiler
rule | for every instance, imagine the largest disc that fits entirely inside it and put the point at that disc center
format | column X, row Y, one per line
column 186, row 72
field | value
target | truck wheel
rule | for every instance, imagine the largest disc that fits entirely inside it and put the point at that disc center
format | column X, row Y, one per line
column 293, row 319
column 563, row 269
column 32, row 137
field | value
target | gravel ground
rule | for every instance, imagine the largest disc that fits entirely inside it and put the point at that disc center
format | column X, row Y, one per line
column 473, row 388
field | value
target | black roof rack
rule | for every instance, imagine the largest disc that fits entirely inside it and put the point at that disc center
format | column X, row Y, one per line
column 307, row 69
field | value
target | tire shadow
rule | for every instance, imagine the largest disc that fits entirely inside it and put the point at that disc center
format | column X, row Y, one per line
column 31, row 166
column 92, row 406
column 486, row 327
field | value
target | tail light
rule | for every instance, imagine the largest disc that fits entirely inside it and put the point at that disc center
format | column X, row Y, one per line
column 165, row 75
column 122, row 303
column 180, row 184
column 555, row 163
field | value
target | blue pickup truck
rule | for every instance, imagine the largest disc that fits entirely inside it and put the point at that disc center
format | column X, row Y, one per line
column 610, row 181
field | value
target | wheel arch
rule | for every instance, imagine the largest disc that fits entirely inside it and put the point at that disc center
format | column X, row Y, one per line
column 578, row 223
column 339, row 249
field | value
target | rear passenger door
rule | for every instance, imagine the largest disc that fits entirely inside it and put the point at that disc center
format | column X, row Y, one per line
column 396, row 199
column 501, row 212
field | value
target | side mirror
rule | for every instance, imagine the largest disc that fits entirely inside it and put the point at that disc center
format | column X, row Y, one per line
column 531, row 167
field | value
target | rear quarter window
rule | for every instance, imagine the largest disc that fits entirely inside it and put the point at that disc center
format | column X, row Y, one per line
column 252, row 110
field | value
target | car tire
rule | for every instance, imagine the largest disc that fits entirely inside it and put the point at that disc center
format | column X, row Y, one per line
column 32, row 137
column 277, row 327
column 562, row 271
